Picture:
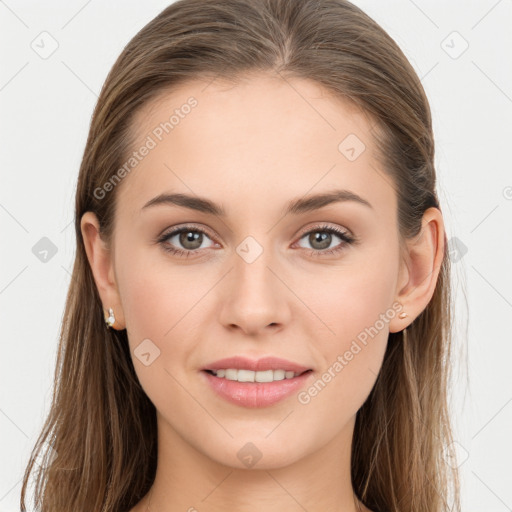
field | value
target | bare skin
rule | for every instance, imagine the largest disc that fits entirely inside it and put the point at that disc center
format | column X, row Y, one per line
column 252, row 148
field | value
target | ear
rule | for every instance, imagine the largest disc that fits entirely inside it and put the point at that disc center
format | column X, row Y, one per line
column 101, row 262
column 419, row 269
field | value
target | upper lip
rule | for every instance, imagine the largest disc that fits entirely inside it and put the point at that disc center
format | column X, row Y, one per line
column 265, row 363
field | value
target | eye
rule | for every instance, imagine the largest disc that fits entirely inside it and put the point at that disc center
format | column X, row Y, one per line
column 189, row 238
column 321, row 237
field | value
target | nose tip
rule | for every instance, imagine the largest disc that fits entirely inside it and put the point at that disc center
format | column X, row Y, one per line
column 253, row 299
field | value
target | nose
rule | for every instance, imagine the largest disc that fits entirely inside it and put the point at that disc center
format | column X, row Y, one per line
column 254, row 297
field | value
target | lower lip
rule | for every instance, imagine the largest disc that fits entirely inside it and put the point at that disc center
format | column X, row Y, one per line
column 256, row 394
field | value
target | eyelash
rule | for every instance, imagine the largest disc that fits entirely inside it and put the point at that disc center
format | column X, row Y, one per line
column 345, row 237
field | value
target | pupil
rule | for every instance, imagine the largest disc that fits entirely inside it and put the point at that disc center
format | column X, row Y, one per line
column 190, row 237
column 323, row 238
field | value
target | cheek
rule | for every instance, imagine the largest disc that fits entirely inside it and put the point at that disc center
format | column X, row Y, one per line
column 350, row 299
column 155, row 293
column 162, row 305
column 355, row 303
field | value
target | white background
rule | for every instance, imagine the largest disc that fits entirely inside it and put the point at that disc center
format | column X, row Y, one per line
column 46, row 105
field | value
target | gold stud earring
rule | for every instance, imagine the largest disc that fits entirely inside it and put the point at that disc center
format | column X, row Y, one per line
column 110, row 320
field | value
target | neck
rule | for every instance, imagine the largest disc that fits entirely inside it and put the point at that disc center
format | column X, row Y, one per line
column 188, row 480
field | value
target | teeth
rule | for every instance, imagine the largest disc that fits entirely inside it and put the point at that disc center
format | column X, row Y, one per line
column 250, row 376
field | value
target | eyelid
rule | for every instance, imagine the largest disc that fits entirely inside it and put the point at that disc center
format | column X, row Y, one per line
column 346, row 236
column 319, row 226
column 166, row 233
column 325, row 226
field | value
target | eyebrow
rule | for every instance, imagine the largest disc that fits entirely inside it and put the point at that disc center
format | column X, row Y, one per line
column 295, row 207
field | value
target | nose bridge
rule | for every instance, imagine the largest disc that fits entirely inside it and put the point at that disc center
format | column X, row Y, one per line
column 255, row 297
column 252, row 275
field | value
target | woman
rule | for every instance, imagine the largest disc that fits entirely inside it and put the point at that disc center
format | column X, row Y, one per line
column 259, row 316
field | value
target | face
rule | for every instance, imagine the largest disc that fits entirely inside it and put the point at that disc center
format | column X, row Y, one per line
column 315, row 286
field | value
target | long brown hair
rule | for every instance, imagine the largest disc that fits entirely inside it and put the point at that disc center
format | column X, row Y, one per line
column 98, row 444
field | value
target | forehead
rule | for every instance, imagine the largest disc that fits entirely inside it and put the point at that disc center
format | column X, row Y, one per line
column 264, row 138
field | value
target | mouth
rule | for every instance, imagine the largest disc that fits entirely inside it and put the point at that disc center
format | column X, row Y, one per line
column 255, row 389
column 248, row 376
